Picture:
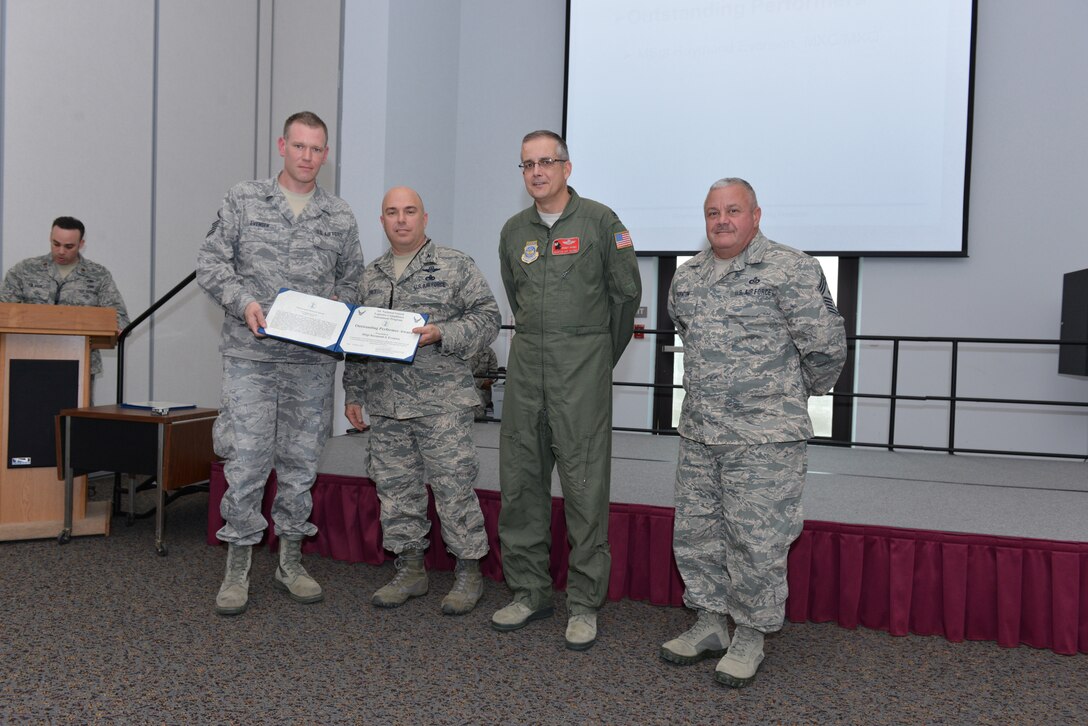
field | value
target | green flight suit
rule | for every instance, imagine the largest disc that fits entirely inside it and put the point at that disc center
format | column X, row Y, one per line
column 574, row 290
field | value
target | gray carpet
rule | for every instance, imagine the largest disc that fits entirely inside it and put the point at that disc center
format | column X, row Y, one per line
column 102, row 630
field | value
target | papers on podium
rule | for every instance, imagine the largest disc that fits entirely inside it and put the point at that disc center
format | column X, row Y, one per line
column 342, row 328
column 159, row 408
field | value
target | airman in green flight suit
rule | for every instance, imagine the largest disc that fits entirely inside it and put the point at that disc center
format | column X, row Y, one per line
column 572, row 280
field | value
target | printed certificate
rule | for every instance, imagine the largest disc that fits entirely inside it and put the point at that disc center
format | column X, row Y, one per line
column 382, row 333
column 342, row 328
column 307, row 319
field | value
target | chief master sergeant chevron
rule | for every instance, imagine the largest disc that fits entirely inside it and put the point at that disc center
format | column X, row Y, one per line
column 277, row 397
column 572, row 280
column 761, row 334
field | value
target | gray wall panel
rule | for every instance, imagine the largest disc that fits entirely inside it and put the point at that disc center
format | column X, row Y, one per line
column 421, row 113
column 77, row 111
column 206, row 141
column 145, row 160
column 363, row 133
column 507, row 88
column 305, row 72
column 1027, row 181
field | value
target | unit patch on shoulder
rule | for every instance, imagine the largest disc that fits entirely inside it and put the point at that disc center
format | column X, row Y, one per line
column 565, row 246
column 531, row 252
column 623, row 239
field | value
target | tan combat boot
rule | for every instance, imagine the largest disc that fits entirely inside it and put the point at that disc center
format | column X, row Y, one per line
column 581, row 631
column 738, row 668
column 468, row 586
column 233, row 597
column 708, row 638
column 410, row 581
column 292, row 576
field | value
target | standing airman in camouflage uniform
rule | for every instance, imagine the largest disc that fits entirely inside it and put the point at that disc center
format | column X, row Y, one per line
column 421, row 412
column 761, row 334
column 65, row 277
column 277, row 396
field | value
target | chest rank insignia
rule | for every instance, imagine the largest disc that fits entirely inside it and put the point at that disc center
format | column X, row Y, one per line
column 531, row 252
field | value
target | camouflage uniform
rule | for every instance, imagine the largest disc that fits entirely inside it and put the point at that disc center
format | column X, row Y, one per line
column 277, row 396
column 575, row 309
column 421, row 413
column 37, row 280
column 758, row 341
column 482, row 364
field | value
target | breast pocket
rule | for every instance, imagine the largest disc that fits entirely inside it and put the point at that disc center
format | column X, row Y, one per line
column 378, row 295
column 313, row 259
column 584, row 268
column 755, row 314
column 579, row 289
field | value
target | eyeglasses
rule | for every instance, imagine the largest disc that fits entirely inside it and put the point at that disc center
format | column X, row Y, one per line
column 543, row 164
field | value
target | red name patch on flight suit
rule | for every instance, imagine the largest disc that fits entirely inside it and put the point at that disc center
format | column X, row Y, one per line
column 565, row 246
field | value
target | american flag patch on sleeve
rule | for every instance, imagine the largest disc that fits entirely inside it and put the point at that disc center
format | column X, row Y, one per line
column 623, row 239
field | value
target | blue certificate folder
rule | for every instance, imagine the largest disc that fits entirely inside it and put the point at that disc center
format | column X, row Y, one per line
column 341, row 328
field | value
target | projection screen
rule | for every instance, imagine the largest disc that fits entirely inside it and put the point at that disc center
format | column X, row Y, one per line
column 851, row 118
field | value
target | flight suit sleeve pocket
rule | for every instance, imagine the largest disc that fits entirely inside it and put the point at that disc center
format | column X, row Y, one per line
column 622, row 285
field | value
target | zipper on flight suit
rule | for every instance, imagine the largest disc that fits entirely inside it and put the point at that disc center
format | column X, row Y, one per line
column 543, row 294
column 546, row 253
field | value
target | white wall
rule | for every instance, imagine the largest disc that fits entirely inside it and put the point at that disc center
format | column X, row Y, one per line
column 507, row 85
column 1027, row 187
column 444, row 112
column 136, row 117
column 197, row 157
column 448, row 92
column 77, row 141
column 139, row 129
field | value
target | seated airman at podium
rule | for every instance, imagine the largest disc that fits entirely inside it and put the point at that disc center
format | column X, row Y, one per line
column 65, row 277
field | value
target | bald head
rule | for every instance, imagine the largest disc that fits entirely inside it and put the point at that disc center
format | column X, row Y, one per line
column 404, row 220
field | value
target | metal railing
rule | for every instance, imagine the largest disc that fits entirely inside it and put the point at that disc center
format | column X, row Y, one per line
column 893, row 396
column 953, row 399
column 135, row 323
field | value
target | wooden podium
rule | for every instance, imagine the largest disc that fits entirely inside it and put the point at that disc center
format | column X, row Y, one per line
column 38, row 342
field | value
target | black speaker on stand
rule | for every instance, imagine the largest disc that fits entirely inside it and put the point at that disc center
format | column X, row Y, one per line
column 1073, row 359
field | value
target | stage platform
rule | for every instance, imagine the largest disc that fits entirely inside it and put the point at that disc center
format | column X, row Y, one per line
column 966, row 547
column 1040, row 498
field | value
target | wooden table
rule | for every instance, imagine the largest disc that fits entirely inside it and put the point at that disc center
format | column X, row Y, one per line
column 174, row 447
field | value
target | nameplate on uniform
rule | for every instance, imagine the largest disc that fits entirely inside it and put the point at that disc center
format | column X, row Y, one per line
column 565, row 246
